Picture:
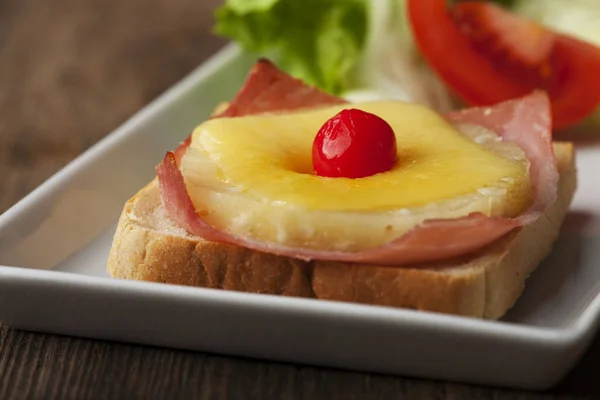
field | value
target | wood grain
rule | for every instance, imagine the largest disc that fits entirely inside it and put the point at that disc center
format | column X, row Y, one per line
column 70, row 72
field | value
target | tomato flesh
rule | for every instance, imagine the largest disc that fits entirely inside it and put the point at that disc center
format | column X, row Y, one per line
column 491, row 29
column 354, row 144
column 449, row 52
column 487, row 55
column 517, row 47
column 575, row 89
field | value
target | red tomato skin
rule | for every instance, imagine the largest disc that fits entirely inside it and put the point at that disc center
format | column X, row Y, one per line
column 575, row 90
column 354, row 144
column 573, row 85
column 446, row 49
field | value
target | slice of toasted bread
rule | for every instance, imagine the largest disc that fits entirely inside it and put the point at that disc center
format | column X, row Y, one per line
column 149, row 246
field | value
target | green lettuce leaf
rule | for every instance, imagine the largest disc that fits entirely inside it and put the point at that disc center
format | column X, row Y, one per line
column 318, row 41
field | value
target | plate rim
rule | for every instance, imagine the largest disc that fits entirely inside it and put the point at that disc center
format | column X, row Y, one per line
column 555, row 336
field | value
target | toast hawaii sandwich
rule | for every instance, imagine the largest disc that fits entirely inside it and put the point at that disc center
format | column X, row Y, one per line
column 287, row 190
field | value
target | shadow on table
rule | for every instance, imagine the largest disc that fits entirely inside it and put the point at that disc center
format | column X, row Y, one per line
column 584, row 378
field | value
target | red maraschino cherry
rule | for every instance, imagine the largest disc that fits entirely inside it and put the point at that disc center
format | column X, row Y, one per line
column 354, row 144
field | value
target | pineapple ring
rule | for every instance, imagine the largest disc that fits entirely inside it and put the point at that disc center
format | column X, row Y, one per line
column 253, row 176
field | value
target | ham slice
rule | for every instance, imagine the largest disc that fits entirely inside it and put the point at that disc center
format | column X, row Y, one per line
column 268, row 89
column 525, row 121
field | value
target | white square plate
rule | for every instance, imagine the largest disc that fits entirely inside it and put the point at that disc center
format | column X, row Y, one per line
column 55, row 242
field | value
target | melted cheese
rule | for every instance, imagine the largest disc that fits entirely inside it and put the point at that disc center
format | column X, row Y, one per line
column 253, row 175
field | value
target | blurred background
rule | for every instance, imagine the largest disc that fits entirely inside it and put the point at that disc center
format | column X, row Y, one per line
column 71, row 71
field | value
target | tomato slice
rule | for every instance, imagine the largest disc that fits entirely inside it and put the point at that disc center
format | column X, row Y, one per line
column 486, row 55
column 516, row 47
column 575, row 90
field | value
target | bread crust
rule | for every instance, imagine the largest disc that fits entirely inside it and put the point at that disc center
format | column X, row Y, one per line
column 148, row 246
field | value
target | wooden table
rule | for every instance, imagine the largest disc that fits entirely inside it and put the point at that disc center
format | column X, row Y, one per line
column 70, row 72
